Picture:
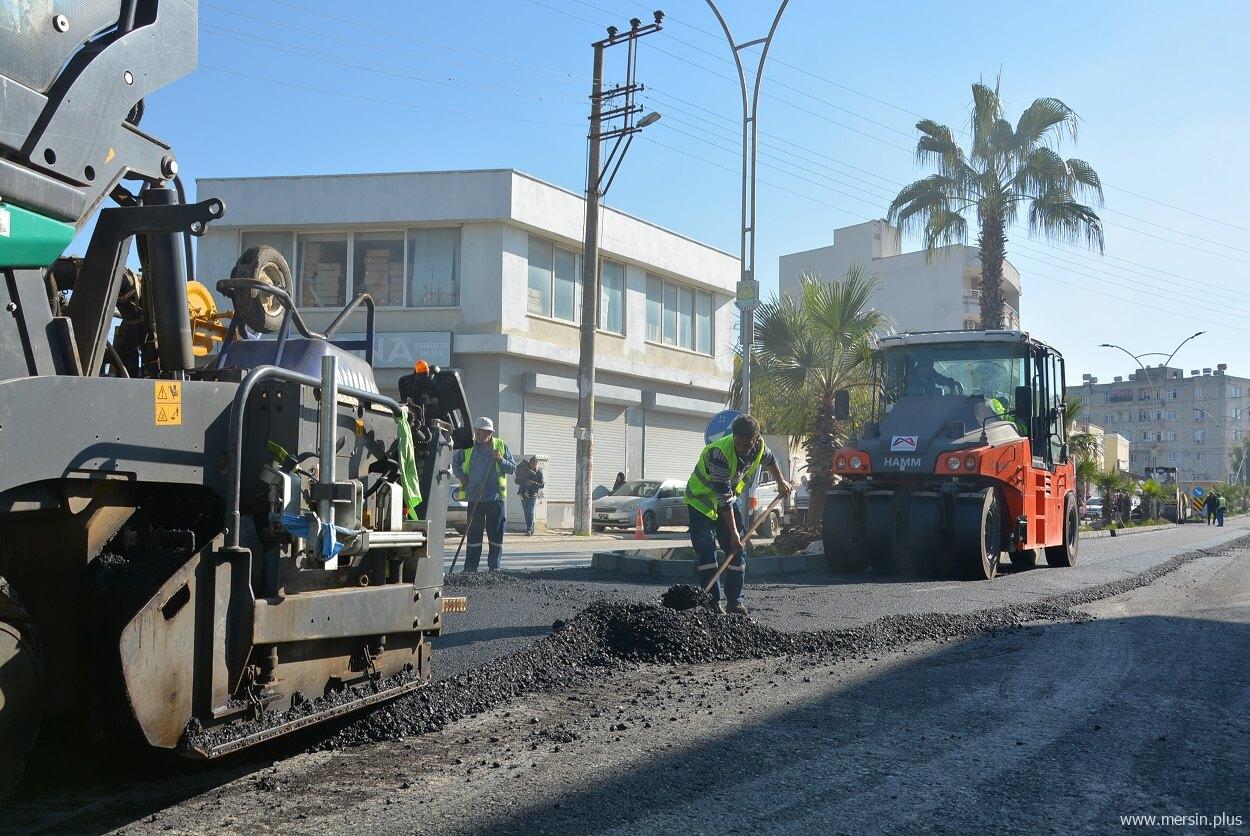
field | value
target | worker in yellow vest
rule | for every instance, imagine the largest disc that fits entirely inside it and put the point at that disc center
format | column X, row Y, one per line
column 725, row 468
column 483, row 473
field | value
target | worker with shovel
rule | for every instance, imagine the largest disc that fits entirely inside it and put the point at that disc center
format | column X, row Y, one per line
column 483, row 473
column 724, row 469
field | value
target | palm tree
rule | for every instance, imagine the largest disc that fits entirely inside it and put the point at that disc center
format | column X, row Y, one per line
column 1087, row 471
column 1007, row 167
column 810, row 343
column 1152, row 494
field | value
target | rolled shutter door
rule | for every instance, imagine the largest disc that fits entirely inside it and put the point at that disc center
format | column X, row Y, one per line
column 549, row 425
column 673, row 443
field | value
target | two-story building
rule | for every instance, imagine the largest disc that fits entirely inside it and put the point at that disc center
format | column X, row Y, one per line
column 481, row 271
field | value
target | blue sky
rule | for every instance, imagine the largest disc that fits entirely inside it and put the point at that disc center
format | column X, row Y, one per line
column 305, row 86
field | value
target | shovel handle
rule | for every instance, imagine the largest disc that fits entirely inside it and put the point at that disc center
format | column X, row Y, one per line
column 745, row 538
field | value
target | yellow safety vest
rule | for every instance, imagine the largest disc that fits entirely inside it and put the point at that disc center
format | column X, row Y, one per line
column 699, row 493
column 467, row 461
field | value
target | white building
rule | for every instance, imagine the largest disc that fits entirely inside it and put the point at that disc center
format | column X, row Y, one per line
column 918, row 294
column 480, row 270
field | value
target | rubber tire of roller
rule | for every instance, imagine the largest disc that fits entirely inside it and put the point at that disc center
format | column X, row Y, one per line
column 844, row 545
column 881, row 534
column 978, row 535
column 1065, row 554
column 20, row 673
column 922, row 554
column 257, row 309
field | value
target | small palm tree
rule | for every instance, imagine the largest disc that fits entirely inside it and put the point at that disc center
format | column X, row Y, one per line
column 1006, row 168
column 810, row 343
column 1087, row 471
column 1152, row 495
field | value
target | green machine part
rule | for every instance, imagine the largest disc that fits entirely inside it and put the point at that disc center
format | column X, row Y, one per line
column 28, row 239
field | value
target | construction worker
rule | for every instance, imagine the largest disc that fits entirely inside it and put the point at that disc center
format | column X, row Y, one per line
column 483, row 473
column 989, row 380
column 1221, row 506
column 724, row 469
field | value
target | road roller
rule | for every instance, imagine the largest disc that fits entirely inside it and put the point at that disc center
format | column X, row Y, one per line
column 963, row 463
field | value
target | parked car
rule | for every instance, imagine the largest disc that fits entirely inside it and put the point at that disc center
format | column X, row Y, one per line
column 1093, row 510
column 765, row 493
column 457, row 509
column 662, row 502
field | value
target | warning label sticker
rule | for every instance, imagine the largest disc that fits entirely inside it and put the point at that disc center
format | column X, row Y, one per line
column 167, row 406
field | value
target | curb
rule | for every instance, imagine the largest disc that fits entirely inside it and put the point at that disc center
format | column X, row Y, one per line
column 1124, row 532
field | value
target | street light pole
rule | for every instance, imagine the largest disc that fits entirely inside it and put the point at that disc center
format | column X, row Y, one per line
column 1149, row 380
column 748, row 291
column 596, row 188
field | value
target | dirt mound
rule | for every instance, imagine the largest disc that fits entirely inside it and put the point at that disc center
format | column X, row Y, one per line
column 683, row 596
column 796, row 540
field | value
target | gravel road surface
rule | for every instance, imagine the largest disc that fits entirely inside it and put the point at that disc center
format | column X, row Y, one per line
column 1135, row 704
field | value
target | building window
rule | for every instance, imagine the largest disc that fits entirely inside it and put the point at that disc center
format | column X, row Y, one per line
column 1171, row 435
column 283, row 242
column 1173, row 458
column 321, row 279
column 1234, row 391
column 1171, row 415
column 378, row 266
column 1199, row 415
column 1200, row 436
column 1145, row 436
column 1198, row 456
column 1172, row 394
column 433, row 268
column 1199, row 393
column 1143, row 415
column 678, row 315
column 1108, row 419
column 553, row 280
column 1238, row 435
column 612, row 297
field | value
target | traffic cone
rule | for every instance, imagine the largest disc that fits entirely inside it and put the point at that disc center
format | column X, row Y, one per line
column 638, row 533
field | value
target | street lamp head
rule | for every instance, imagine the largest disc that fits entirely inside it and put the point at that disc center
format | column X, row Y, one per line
column 1105, row 345
column 650, row 119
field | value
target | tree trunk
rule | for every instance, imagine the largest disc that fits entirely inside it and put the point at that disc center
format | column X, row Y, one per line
column 820, row 446
column 993, row 245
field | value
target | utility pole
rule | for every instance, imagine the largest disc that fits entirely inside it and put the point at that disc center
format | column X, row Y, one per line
column 748, row 286
column 596, row 188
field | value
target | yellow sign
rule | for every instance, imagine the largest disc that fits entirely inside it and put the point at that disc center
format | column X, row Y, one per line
column 167, row 406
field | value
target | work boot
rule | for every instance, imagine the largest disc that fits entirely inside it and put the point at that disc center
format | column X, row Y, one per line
column 736, row 608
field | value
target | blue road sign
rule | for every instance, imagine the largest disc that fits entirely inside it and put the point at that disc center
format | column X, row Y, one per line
column 718, row 426
column 1198, row 492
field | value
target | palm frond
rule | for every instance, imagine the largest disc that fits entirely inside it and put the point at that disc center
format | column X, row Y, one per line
column 1057, row 215
column 1085, row 181
column 1042, row 117
column 937, row 145
column 987, row 108
column 1040, row 171
column 915, row 201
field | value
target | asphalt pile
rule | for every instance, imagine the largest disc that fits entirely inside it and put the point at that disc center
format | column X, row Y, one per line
column 683, row 596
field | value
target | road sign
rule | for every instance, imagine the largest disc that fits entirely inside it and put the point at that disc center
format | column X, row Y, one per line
column 718, row 426
column 748, row 293
column 1199, row 492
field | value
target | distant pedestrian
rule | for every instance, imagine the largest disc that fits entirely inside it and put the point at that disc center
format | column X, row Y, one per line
column 1221, row 505
column 1210, row 505
column 620, row 480
column 483, row 473
column 529, row 481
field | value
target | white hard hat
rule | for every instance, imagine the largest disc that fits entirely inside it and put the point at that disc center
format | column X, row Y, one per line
column 484, row 423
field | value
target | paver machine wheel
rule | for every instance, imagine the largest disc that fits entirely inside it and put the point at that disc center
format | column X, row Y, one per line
column 19, row 689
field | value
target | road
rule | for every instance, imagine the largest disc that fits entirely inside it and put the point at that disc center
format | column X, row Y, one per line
column 1133, row 704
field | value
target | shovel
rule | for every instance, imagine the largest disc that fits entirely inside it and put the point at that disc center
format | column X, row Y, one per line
column 745, row 538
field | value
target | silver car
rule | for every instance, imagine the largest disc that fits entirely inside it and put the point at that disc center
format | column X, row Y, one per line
column 662, row 502
column 457, row 509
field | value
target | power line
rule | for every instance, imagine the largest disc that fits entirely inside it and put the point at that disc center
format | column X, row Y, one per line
column 843, row 210
column 560, row 75
column 392, row 102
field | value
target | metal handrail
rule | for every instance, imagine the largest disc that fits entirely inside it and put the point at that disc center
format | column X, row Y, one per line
column 234, row 466
column 227, row 287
